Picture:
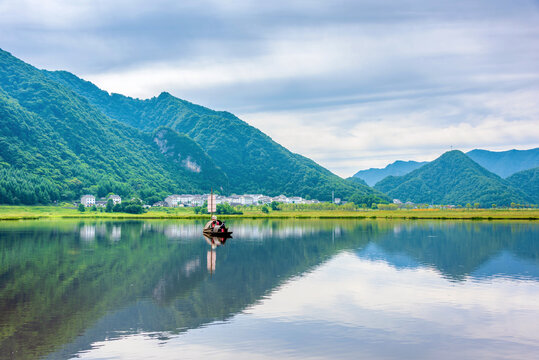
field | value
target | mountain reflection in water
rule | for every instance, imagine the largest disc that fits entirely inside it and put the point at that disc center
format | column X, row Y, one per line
column 66, row 286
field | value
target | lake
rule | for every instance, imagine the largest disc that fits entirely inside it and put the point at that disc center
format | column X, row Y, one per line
column 296, row 289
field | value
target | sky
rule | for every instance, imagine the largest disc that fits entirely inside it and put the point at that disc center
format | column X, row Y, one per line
column 351, row 84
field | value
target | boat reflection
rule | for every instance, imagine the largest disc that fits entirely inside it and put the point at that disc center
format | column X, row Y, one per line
column 214, row 242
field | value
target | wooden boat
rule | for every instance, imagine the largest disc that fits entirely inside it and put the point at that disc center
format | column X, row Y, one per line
column 219, row 233
column 216, row 229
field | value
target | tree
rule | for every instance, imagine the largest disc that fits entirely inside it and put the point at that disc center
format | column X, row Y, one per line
column 359, row 198
column 476, row 205
column 202, row 209
column 93, row 208
column 150, row 200
column 349, row 206
column 468, row 206
column 81, row 208
column 110, row 205
column 274, row 205
column 133, row 208
column 226, row 209
column 265, row 209
column 387, row 206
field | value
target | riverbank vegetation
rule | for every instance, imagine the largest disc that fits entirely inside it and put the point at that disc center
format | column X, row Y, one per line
column 330, row 211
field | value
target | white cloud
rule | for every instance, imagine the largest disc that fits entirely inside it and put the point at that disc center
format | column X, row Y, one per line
column 351, row 137
column 352, row 84
column 292, row 54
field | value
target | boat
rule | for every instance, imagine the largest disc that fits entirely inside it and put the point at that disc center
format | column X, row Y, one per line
column 224, row 233
column 214, row 227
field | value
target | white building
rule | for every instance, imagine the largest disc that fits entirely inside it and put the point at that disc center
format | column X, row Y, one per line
column 256, row 197
column 116, row 199
column 295, row 200
column 186, row 199
column 87, row 200
column 264, row 200
column 246, row 200
column 234, row 200
column 280, row 198
column 172, row 200
column 220, row 199
column 197, row 201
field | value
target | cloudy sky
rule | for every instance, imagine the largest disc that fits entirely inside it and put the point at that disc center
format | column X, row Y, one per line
column 351, row 84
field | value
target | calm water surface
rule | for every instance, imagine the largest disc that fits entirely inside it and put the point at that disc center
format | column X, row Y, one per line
column 294, row 289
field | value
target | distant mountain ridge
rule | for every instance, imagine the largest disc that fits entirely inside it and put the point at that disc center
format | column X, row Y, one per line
column 454, row 179
column 502, row 163
column 373, row 175
column 506, row 163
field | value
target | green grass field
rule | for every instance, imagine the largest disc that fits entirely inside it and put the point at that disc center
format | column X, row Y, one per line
column 39, row 212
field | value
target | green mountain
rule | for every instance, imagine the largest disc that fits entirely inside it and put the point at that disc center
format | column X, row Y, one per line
column 528, row 182
column 453, row 178
column 505, row 163
column 398, row 168
column 502, row 163
column 253, row 162
column 61, row 137
column 54, row 145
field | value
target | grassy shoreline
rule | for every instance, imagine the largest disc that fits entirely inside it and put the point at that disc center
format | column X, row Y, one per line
column 56, row 212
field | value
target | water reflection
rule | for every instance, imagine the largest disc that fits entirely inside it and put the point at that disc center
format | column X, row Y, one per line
column 67, row 287
column 214, row 242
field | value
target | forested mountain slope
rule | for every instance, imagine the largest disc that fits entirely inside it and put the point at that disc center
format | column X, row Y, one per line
column 453, row 178
column 54, row 145
column 253, row 162
column 528, row 182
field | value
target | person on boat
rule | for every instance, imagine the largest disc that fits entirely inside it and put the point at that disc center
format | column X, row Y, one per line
column 210, row 225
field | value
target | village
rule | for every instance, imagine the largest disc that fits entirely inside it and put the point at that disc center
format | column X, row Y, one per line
column 196, row 200
column 189, row 200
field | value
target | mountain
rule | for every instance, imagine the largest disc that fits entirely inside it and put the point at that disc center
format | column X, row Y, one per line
column 61, row 137
column 453, row 178
column 506, row 163
column 357, row 180
column 54, row 145
column 527, row 181
column 502, row 163
column 252, row 161
column 373, row 175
